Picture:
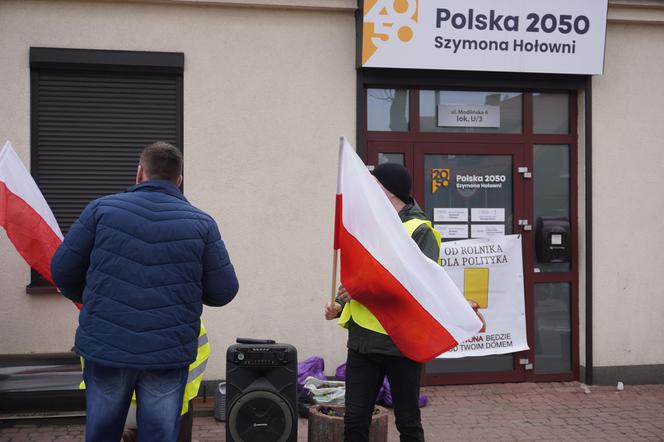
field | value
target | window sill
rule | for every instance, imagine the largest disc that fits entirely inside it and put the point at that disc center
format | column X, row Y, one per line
column 41, row 290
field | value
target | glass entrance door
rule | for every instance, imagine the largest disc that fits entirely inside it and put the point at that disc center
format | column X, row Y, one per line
column 482, row 182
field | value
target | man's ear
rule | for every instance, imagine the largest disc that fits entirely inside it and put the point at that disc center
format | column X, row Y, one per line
column 140, row 174
column 179, row 182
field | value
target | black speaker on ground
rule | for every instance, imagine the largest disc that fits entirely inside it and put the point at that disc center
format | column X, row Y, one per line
column 261, row 398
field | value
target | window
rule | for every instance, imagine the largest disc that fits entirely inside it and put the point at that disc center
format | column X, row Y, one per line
column 387, row 110
column 551, row 113
column 92, row 112
column 503, row 110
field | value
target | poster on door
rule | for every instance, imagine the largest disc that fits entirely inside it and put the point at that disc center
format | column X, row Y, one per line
column 489, row 272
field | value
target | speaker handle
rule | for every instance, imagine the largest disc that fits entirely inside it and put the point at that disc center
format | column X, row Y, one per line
column 254, row 341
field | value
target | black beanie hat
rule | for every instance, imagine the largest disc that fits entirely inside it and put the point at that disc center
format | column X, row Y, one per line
column 395, row 178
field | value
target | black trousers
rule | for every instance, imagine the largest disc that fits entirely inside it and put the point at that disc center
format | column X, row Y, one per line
column 364, row 376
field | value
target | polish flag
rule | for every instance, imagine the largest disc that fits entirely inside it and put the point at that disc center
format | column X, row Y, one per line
column 412, row 297
column 25, row 215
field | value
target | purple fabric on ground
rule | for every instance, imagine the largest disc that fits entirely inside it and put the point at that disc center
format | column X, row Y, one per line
column 340, row 373
column 385, row 394
column 314, row 366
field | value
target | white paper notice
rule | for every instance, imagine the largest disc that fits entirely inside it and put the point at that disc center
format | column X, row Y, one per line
column 450, row 215
column 487, row 230
column 449, row 231
column 487, row 215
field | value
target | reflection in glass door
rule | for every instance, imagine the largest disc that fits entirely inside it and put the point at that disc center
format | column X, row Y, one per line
column 480, row 184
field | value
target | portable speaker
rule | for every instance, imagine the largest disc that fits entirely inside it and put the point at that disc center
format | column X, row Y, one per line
column 261, row 398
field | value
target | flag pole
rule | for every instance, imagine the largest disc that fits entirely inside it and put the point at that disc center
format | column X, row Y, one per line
column 333, row 296
column 337, row 224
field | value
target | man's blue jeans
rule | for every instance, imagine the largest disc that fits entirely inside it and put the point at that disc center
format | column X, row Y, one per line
column 108, row 395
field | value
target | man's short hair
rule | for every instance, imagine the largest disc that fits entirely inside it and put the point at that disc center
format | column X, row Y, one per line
column 162, row 161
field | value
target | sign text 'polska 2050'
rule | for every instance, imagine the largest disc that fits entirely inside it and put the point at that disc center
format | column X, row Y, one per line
column 493, row 21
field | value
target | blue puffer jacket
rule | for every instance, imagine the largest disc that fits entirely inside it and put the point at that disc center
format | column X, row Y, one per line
column 143, row 262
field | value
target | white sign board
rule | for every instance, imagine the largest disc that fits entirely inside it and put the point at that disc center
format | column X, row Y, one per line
column 490, row 273
column 487, row 215
column 445, row 214
column 562, row 37
column 486, row 230
column 452, row 231
column 468, row 115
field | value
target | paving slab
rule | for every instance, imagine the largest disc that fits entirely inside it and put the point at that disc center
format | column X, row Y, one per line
column 554, row 411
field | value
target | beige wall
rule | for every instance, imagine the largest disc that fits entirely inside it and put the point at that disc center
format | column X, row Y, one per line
column 267, row 93
column 268, row 89
column 628, row 160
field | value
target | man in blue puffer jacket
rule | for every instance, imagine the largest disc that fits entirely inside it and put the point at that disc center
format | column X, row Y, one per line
column 143, row 263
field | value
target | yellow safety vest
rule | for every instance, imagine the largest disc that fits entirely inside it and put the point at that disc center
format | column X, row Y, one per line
column 196, row 370
column 360, row 314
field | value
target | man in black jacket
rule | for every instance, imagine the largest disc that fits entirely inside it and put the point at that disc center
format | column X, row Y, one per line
column 373, row 355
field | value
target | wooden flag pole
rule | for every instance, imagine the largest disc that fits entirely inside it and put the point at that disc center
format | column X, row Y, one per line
column 337, row 224
column 333, row 297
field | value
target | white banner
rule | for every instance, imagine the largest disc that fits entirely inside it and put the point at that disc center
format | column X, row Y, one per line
column 562, row 36
column 489, row 271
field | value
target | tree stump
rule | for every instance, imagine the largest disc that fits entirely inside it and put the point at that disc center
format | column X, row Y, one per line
column 326, row 424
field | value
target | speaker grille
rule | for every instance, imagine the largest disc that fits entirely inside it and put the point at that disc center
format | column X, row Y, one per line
column 260, row 416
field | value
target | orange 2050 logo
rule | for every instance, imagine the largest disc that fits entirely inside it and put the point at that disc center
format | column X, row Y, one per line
column 387, row 22
column 439, row 178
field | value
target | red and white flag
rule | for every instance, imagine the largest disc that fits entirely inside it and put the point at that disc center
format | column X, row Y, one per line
column 25, row 215
column 412, row 297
